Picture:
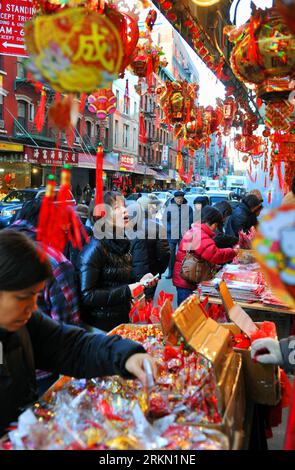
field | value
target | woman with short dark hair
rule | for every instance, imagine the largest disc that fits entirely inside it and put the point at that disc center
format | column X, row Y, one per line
column 31, row 340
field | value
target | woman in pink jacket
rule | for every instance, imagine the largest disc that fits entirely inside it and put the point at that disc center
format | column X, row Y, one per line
column 200, row 238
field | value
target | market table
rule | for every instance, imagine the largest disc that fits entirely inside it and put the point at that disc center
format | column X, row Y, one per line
column 282, row 317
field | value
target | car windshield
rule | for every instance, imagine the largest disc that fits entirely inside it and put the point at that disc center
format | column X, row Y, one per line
column 197, row 190
column 20, row 196
column 215, row 199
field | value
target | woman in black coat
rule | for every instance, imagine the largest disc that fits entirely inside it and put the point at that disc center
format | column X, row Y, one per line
column 106, row 271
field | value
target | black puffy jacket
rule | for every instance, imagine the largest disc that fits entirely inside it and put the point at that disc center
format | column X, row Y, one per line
column 241, row 219
column 105, row 272
column 62, row 349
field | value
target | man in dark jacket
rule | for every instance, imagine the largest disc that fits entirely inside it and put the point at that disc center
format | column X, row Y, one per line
column 177, row 220
column 244, row 216
column 30, row 340
column 221, row 239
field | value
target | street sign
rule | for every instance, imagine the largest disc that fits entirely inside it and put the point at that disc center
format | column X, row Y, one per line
column 13, row 15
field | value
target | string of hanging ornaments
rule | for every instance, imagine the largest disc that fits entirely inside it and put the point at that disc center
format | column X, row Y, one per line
column 77, row 47
column 263, row 58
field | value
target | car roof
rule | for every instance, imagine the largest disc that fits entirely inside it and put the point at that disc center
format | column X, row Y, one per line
column 218, row 193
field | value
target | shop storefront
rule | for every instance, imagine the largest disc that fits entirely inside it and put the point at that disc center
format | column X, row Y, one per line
column 84, row 173
column 42, row 160
column 14, row 171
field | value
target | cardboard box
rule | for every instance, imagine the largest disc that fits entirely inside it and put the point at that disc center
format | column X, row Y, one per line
column 262, row 381
column 212, row 340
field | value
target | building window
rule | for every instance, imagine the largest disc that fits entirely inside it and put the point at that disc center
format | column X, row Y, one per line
column 88, row 129
column 135, row 108
column 1, row 106
column 116, row 131
column 98, row 130
column 1, row 62
column 125, row 136
column 31, row 112
column 118, row 99
column 20, row 70
column 126, row 106
column 134, row 138
column 22, row 113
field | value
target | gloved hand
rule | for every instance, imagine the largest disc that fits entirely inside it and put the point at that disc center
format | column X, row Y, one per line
column 267, row 351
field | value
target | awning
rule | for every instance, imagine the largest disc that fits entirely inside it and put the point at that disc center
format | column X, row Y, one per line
column 145, row 170
column 161, row 176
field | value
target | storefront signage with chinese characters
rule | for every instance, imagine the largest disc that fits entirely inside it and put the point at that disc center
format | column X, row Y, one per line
column 7, row 147
column 13, row 15
column 127, row 163
column 44, row 156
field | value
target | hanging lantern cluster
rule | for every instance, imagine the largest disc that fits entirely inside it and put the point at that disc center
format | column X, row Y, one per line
column 147, row 57
column 102, row 103
column 177, row 99
column 195, row 133
column 283, row 151
column 264, row 58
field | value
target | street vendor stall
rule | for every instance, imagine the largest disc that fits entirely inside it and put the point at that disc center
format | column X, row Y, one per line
column 248, row 287
column 197, row 403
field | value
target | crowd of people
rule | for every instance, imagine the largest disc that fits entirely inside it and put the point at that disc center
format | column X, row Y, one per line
column 94, row 289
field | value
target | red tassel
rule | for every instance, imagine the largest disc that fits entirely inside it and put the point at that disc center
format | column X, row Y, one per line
column 269, row 197
column 44, row 228
column 265, row 181
column 259, row 102
column 280, row 175
column 199, row 118
column 149, row 72
column 290, row 432
column 142, row 130
column 40, row 115
column 219, row 68
column 82, row 103
column 179, row 145
column 188, row 111
column 99, row 181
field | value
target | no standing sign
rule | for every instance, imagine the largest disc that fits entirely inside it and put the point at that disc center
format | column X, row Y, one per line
column 13, row 15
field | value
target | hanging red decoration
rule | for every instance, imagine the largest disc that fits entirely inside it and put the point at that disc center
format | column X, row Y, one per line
column 99, row 182
column 40, row 115
column 176, row 98
column 142, row 130
column 263, row 56
column 103, row 103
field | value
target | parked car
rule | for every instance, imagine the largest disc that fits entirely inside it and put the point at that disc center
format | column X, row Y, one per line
column 195, row 190
column 11, row 205
column 218, row 196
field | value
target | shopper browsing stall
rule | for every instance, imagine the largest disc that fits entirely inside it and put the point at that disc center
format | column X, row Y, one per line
column 199, row 241
column 31, row 340
column 107, row 278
